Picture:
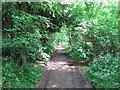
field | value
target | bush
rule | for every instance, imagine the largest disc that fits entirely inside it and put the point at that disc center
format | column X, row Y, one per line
column 104, row 72
column 49, row 48
column 26, row 29
column 92, row 33
column 25, row 76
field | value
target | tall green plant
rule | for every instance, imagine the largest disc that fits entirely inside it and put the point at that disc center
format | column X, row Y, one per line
column 27, row 29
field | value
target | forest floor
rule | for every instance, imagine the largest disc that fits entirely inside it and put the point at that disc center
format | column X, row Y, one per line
column 61, row 72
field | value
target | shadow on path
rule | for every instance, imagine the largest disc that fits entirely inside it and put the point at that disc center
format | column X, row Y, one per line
column 60, row 73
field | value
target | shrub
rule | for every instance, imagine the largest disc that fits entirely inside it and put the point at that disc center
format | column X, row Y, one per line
column 104, row 72
column 25, row 76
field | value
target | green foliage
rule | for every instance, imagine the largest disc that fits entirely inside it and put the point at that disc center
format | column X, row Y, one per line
column 104, row 72
column 31, row 30
column 27, row 37
column 27, row 29
column 61, row 37
column 94, row 34
column 49, row 48
column 25, row 76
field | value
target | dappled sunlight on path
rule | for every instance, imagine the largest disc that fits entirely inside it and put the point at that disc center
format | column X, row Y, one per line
column 60, row 72
column 59, row 65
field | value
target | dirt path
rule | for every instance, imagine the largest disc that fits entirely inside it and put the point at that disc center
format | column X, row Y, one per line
column 60, row 73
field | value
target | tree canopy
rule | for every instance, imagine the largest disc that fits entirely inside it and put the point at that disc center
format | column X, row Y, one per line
column 87, row 29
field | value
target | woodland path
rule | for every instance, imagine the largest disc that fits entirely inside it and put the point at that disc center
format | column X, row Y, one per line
column 60, row 72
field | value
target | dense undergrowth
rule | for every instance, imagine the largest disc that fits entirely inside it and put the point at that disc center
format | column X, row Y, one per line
column 104, row 72
column 94, row 38
column 25, row 76
column 27, row 37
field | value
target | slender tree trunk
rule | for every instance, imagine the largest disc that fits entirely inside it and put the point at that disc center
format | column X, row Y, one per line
column 70, row 39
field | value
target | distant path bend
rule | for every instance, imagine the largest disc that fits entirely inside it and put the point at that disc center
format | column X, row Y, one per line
column 60, row 74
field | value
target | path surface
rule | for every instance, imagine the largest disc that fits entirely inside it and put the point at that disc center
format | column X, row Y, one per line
column 60, row 73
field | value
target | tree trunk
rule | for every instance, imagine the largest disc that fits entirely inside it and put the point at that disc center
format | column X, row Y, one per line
column 70, row 39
